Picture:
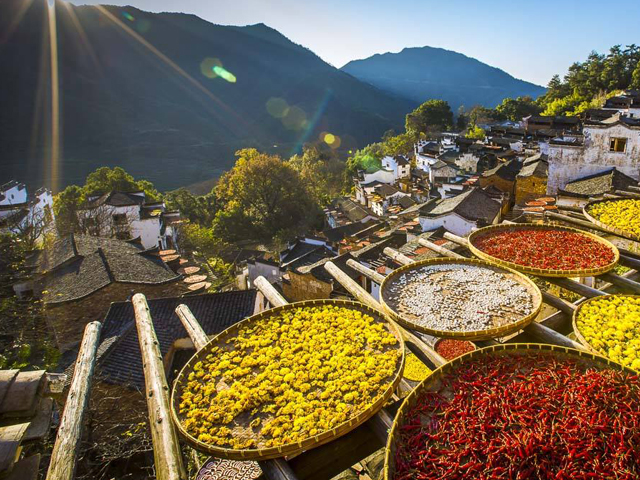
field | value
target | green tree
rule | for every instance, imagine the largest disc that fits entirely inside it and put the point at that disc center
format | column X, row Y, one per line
column 65, row 208
column 107, row 179
column 400, row 144
column 480, row 115
column 368, row 159
column 515, row 109
column 321, row 171
column 261, row 196
column 199, row 209
column 475, row 132
column 431, row 117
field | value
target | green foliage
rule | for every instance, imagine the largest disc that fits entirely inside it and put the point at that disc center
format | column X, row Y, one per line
column 194, row 237
column 475, row 132
column 223, row 273
column 261, row 196
column 563, row 105
column 515, row 109
column 199, row 209
column 106, row 179
column 368, row 159
column 321, row 171
column 480, row 115
column 431, row 117
column 400, row 144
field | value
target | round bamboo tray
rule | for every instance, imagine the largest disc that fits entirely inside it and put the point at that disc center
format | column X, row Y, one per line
column 502, row 331
column 585, row 272
column 605, row 226
column 576, row 313
column 433, row 382
column 306, row 444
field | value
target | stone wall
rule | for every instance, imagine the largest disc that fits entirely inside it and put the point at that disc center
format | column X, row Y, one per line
column 530, row 188
column 305, row 287
column 500, row 183
column 67, row 320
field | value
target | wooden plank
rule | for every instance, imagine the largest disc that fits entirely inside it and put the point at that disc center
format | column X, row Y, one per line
column 62, row 465
column 21, row 400
column 269, row 292
column 25, row 469
column 6, row 379
column 41, row 423
column 10, row 439
column 191, row 325
column 166, row 447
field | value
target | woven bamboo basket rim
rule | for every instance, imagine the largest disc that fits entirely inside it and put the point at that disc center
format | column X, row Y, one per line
column 576, row 314
column 308, row 443
column 618, row 231
column 438, row 373
column 486, row 334
column 585, row 272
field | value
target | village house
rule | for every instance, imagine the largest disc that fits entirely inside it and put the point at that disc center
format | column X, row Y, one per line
column 386, row 196
column 533, row 123
column 399, row 165
column 20, row 214
column 461, row 214
column 531, row 181
column 628, row 104
column 344, row 210
column 592, row 187
column 614, row 142
column 502, row 177
column 80, row 275
column 127, row 215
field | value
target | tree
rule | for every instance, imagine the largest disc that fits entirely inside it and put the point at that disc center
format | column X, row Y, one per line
column 480, row 115
column 106, row 179
column 475, row 132
column 431, row 117
column 321, row 171
column 199, row 209
column 462, row 119
column 400, row 144
column 261, row 196
column 65, row 207
column 515, row 109
column 368, row 159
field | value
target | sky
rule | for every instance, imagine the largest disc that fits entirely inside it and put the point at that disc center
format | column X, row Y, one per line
column 532, row 42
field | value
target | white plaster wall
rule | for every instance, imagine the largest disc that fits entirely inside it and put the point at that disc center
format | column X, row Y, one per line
column 452, row 222
column 468, row 162
column 14, row 195
column 148, row 230
column 568, row 163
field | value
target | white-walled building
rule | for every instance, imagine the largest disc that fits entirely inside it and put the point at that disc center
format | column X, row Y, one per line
column 614, row 142
column 460, row 214
column 127, row 215
column 20, row 214
column 399, row 165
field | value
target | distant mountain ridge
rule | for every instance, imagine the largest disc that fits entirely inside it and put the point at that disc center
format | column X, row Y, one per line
column 160, row 115
column 423, row 73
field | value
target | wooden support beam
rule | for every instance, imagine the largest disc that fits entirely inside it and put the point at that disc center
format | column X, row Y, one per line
column 166, row 447
column 62, row 465
column 438, row 249
column 363, row 296
column 609, row 196
column 277, row 469
column 559, row 303
column 629, row 262
column 570, row 208
column 401, row 258
column 622, row 282
column 625, row 193
column 367, row 272
column 193, row 328
column 547, row 335
column 634, row 188
column 269, row 292
column 575, row 287
column 456, row 239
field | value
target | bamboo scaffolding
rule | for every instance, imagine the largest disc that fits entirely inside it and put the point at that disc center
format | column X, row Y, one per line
column 62, row 465
column 166, row 447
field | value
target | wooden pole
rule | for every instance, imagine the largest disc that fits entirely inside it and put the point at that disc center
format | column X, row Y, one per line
column 193, row 328
column 624, row 193
column 277, row 469
column 269, row 292
column 621, row 281
column 551, row 336
column 575, row 287
column 363, row 296
column 401, row 258
column 367, row 272
column 62, row 465
column 166, row 448
column 438, row 249
column 559, row 303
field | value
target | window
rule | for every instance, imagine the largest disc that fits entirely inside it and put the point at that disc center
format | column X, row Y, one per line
column 120, row 219
column 618, row 145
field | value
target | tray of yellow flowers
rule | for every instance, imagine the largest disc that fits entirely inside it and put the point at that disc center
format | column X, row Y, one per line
column 610, row 326
column 620, row 216
column 288, row 379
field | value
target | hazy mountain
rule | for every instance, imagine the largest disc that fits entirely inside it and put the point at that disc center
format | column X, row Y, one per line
column 424, row 73
column 134, row 91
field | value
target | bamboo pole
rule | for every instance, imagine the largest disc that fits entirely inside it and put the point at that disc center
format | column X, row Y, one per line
column 363, row 296
column 191, row 325
column 575, row 287
column 401, row 258
column 270, row 293
column 624, row 193
column 438, row 249
column 621, row 281
column 62, row 465
column 166, row 448
column 367, row 272
column 548, row 335
column 277, row 469
column 559, row 303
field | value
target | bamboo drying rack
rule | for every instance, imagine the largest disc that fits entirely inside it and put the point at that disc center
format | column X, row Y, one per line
column 605, row 226
column 586, row 272
column 439, row 373
column 296, row 448
column 485, row 334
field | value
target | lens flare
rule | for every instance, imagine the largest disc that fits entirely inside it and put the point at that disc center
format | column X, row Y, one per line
column 55, row 96
column 329, row 138
column 294, row 119
column 208, row 65
column 224, row 74
column 128, row 16
column 277, row 107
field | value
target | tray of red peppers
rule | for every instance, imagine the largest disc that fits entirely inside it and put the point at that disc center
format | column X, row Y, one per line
column 519, row 411
column 548, row 250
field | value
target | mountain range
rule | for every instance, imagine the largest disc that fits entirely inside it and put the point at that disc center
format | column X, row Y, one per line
column 422, row 73
column 170, row 97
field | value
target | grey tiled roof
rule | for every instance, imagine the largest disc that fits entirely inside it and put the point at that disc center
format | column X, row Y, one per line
column 600, row 183
column 119, row 358
column 79, row 265
column 474, row 204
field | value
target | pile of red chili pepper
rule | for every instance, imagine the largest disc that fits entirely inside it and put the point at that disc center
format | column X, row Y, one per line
column 523, row 417
column 451, row 349
column 546, row 249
